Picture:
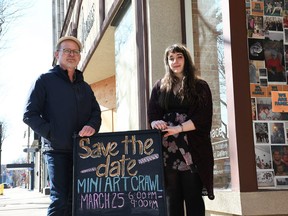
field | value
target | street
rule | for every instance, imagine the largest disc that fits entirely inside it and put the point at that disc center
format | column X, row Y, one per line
column 19, row 201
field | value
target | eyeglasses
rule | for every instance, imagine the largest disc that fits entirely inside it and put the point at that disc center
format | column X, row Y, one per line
column 69, row 52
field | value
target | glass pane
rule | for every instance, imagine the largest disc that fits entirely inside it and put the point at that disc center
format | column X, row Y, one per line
column 208, row 47
column 126, row 73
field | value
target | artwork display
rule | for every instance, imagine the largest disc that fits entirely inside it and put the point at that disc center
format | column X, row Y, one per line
column 267, row 39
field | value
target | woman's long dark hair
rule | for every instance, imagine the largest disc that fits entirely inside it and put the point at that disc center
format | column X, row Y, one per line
column 187, row 89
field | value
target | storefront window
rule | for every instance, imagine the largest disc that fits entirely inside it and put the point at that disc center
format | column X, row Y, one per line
column 267, row 40
column 207, row 45
column 126, row 72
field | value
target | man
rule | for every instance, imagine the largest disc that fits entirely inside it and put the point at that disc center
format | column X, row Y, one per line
column 276, row 71
column 278, row 164
column 285, row 161
column 60, row 104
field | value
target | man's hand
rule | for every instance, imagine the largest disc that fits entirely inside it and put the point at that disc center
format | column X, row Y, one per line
column 87, row 131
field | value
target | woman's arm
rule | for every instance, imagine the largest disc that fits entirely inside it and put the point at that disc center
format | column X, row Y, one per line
column 155, row 112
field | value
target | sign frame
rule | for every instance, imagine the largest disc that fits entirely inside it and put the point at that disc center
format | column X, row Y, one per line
column 119, row 173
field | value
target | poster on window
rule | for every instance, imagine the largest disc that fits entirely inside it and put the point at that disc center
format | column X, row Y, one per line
column 279, row 101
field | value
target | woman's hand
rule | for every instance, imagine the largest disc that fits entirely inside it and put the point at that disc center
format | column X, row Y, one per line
column 159, row 124
column 171, row 130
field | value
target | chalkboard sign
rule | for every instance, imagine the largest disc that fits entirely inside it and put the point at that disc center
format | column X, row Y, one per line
column 119, row 173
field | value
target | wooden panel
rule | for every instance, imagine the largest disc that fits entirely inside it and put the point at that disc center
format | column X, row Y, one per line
column 105, row 92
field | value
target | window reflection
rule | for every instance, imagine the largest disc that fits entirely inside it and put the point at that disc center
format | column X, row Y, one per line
column 208, row 46
column 126, row 72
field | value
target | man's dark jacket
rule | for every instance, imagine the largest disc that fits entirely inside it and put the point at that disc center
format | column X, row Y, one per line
column 57, row 108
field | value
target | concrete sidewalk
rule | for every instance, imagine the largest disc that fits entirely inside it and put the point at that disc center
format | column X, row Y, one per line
column 19, row 202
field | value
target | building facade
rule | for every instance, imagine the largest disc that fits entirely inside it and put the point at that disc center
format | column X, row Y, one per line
column 124, row 43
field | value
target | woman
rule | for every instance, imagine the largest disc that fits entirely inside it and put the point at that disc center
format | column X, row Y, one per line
column 181, row 106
